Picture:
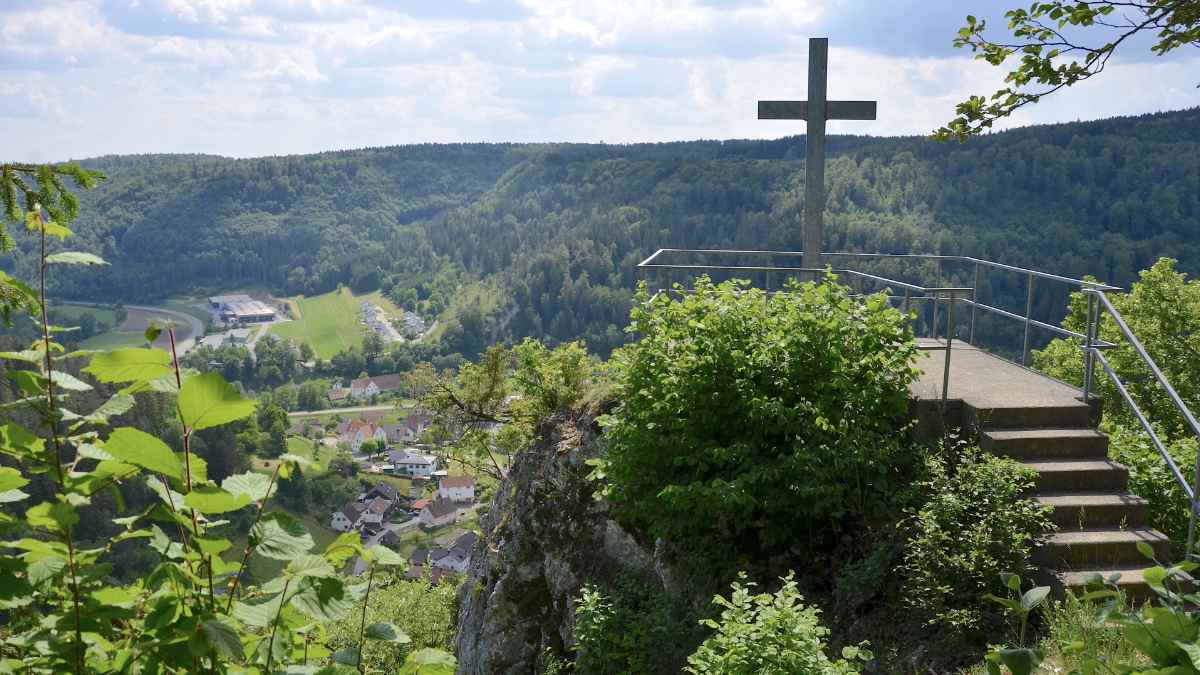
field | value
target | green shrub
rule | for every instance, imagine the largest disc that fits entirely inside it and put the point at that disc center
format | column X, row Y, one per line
column 975, row 525
column 768, row 634
column 765, row 422
column 1151, row 478
column 1076, row 635
column 631, row 628
column 423, row 611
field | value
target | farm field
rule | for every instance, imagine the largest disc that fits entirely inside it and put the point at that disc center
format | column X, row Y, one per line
column 301, row 447
column 329, row 323
column 73, row 312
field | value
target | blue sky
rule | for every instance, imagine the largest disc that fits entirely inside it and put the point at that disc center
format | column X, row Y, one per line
column 259, row 77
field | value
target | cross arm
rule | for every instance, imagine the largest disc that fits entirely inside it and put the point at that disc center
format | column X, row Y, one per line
column 834, row 110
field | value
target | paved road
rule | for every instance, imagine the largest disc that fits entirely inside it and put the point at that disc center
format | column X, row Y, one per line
column 331, row 411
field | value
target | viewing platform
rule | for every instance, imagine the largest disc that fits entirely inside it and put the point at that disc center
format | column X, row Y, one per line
column 987, row 390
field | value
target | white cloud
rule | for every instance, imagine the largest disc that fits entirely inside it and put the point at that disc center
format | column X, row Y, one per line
column 250, row 77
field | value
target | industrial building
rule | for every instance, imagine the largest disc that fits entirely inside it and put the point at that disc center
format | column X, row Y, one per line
column 241, row 309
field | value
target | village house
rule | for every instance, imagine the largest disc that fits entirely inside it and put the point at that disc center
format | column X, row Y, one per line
column 370, row 509
column 458, row 557
column 410, row 429
column 458, row 489
column 439, row 512
column 377, row 510
column 411, row 463
column 440, row 561
column 348, row 517
column 357, row 432
column 338, row 393
column 366, row 387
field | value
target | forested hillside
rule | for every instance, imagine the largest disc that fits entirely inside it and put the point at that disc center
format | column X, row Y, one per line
column 560, row 227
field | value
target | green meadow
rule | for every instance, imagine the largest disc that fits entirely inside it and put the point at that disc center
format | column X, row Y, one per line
column 329, row 322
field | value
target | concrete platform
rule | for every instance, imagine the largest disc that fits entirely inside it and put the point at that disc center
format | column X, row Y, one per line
column 989, row 392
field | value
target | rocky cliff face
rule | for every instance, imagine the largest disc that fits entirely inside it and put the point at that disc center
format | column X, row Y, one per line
column 544, row 537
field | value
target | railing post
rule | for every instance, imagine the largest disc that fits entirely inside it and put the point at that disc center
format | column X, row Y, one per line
column 1089, row 358
column 936, row 299
column 974, row 301
column 1028, row 316
column 949, row 343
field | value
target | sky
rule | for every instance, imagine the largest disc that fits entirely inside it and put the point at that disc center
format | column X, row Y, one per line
column 80, row 78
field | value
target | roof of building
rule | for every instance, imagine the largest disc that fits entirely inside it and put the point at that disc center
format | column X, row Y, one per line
column 374, row 416
column 247, row 307
column 353, row 511
column 463, row 545
column 337, row 395
column 386, row 490
column 379, row 505
column 420, row 504
column 418, row 557
column 383, row 382
column 458, row 482
column 441, row 507
column 225, row 299
column 417, row 420
column 407, row 456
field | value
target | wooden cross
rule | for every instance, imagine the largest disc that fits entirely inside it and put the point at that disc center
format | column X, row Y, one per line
column 815, row 111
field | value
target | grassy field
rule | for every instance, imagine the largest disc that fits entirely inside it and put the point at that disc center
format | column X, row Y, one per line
column 302, row 447
column 187, row 306
column 73, row 312
column 114, row 340
column 329, row 323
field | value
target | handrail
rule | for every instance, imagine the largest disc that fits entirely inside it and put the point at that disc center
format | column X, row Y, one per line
column 1092, row 352
column 1092, row 345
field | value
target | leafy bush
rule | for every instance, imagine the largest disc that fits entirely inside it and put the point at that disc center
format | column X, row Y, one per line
column 975, row 525
column 1151, row 478
column 424, row 612
column 766, row 421
column 768, row 634
column 632, row 628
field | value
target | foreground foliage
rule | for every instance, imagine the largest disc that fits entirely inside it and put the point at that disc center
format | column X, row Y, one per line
column 769, row 634
column 195, row 610
column 758, row 422
column 1163, row 310
column 1060, row 43
column 975, row 525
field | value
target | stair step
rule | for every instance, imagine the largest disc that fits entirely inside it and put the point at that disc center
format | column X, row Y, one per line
column 1101, row 475
column 1046, row 443
column 1026, row 417
column 1131, row 582
column 1101, row 548
column 1090, row 510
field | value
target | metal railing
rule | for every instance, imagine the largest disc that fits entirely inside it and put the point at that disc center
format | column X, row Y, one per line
column 912, row 293
column 1091, row 345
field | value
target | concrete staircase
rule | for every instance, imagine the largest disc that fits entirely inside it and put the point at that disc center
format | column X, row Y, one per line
column 1100, row 522
column 1045, row 424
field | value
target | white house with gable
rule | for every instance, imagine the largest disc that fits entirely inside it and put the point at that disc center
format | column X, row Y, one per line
column 411, row 463
column 457, row 489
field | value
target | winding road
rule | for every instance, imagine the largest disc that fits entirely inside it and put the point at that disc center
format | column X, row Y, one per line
column 181, row 318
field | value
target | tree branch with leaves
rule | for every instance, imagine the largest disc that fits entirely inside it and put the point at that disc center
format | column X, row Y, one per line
column 1059, row 44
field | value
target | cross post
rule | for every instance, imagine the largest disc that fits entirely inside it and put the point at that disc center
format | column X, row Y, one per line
column 816, row 110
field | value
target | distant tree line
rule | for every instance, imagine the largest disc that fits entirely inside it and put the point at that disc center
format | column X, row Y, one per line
column 558, row 228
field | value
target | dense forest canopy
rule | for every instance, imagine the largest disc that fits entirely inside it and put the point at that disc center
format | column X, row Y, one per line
column 559, row 228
